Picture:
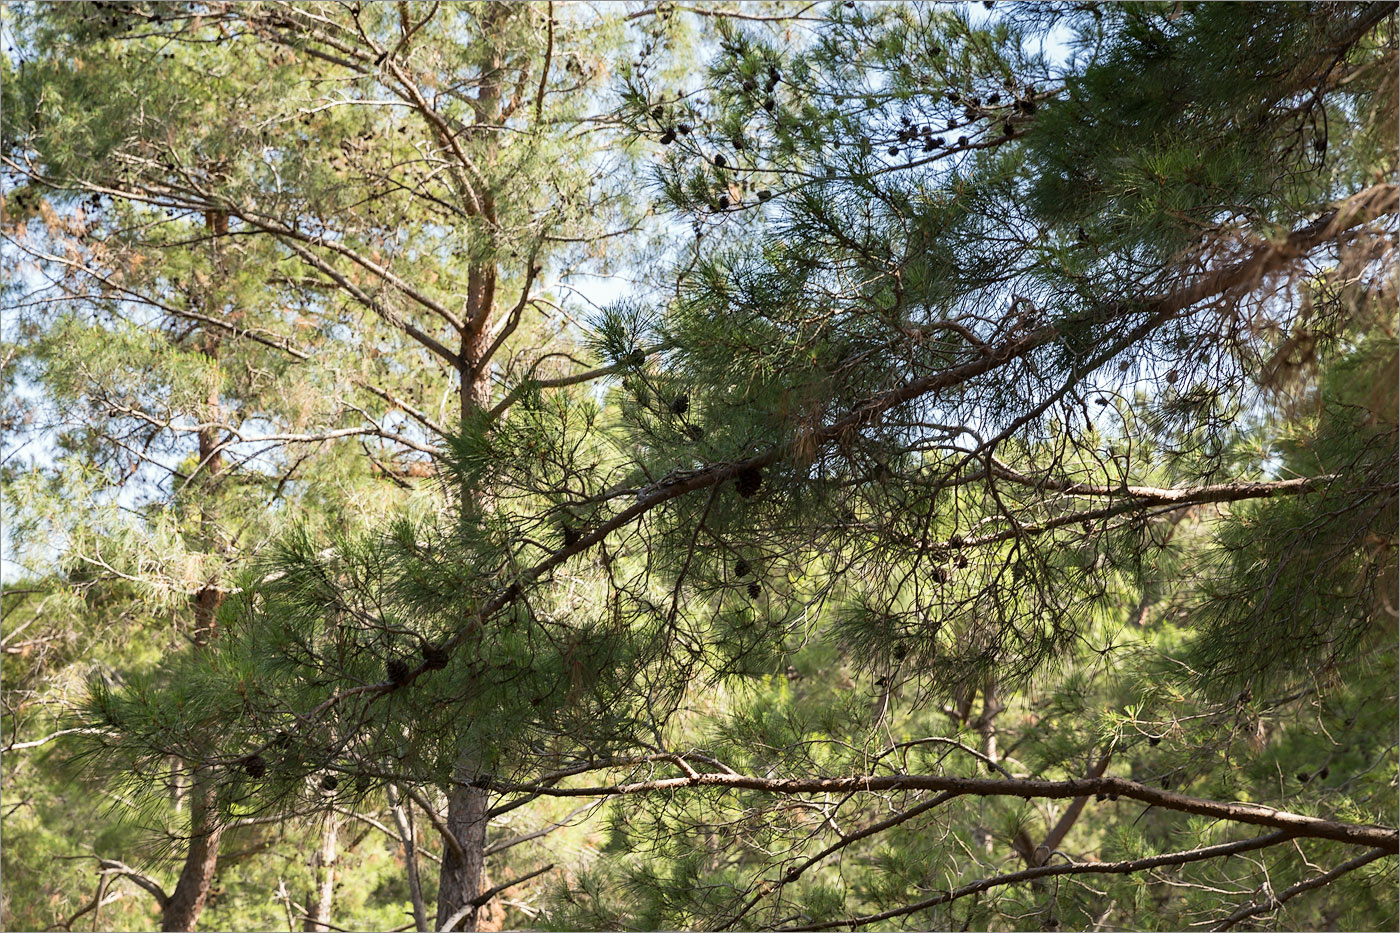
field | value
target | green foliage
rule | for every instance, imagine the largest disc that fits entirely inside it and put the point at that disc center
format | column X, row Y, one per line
column 1008, row 415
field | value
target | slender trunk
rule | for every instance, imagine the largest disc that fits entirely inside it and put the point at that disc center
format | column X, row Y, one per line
column 318, row 918
column 211, row 465
column 403, row 820
column 179, row 787
column 463, row 876
column 986, row 723
column 197, row 876
column 201, row 859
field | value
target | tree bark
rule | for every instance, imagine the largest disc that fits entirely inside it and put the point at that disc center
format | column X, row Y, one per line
column 410, row 854
column 318, row 917
column 462, row 875
column 201, row 859
column 464, row 867
column 197, row 876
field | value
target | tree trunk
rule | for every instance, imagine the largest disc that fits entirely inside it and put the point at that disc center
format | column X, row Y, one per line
column 318, row 917
column 462, row 876
column 986, row 723
column 197, row 876
column 191, row 892
column 402, row 819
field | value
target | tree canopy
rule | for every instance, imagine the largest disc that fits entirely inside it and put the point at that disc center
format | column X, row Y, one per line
column 779, row 466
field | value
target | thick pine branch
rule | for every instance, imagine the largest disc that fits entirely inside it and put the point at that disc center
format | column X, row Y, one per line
column 1297, row 824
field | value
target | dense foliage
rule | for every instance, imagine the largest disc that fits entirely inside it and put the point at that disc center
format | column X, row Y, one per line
column 970, row 504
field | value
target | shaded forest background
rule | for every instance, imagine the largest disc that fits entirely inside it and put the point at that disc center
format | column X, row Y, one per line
column 737, row 466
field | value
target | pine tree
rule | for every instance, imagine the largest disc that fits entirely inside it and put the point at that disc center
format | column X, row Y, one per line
column 985, row 333
column 306, row 228
column 1004, row 479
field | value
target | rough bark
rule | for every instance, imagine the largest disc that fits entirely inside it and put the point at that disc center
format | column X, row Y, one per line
column 462, row 874
column 464, row 865
column 201, row 858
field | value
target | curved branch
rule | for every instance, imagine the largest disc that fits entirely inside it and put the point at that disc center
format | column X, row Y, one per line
column 1296, row 824
column 545, row 830
column 796, row 872
column 141, row 879
column 16, row 746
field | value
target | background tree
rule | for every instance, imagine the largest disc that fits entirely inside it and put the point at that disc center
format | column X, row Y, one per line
column 343, row 226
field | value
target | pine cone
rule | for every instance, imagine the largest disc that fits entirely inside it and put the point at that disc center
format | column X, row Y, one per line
column 434, row 658
column 398, row 672
column 748, row 481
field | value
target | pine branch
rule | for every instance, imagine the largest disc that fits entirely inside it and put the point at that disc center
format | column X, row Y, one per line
column 719, row 13
column 1296, row 824
column 796, row 872
column 141, row 879
column 1126, row 867
column 99, row 900
column 1159, row 495
column 451, row 922
column 1359, row 209
column 543, row 831
column 1277, row 900
column 17, row 746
